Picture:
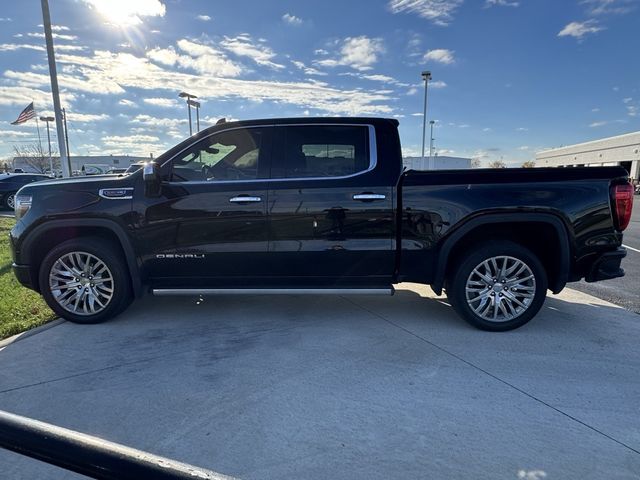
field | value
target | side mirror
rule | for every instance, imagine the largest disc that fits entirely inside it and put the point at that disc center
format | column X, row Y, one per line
column 151, row 177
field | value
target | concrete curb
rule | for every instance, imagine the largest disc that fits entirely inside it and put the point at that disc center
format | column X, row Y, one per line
column 34, row 331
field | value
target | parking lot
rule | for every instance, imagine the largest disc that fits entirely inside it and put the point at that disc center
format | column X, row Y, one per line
column 341, row 387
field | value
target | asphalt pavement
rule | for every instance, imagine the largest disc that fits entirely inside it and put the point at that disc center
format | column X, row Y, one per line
column 341, row 387
column 623, row 291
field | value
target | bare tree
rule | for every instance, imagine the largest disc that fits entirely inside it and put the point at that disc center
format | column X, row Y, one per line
column 529, row 164
column 36, row 157
column 497, row 164
column 476, row 163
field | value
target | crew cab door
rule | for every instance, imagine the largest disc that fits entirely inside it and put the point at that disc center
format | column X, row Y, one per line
column 330, row 215
column 209, row 228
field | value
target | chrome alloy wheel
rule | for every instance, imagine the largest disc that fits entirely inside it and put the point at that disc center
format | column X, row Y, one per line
column 11, row 200
column 500, row 288
column 81, row 283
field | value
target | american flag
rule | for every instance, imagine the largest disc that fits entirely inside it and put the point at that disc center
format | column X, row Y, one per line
column 26, row 114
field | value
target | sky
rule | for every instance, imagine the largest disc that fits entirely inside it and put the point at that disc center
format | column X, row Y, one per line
column 510, row 77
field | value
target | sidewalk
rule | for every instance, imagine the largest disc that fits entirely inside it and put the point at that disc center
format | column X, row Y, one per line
column 342, row 387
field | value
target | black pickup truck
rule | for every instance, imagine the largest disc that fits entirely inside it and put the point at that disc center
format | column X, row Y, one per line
column 318, row 205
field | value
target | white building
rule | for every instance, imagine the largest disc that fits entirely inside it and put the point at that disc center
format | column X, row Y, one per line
column 439, row 163
column 77, row 161
column 623, row 150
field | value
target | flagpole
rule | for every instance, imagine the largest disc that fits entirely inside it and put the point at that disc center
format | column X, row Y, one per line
column 39, row 140
column 55, row 93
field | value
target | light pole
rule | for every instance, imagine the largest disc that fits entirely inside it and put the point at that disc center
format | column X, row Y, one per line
column 188, row 96
column 47, row 120
column 431, row 145
column 196, row 105
column 46, row 21
column 426, row 76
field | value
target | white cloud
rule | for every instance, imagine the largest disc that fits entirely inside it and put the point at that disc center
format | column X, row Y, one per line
column 10, row 47
column 85, row 117
column 162, row 102
column 440, row 55
column 501, row 3
column 437, row 84
column 57, row 36
column 292, row 19
column 127, row 103
column 522, row 129
column 141, row 145
column 199, row 57
column 632, row 110
column 204, row 18
column 524, row 148
column 244, row 46
column 598, row 124
column 6, row 19
column 21, row 96
column 627, row 100
column 127, row 12
column 306, row 69
column 439, row 12
column 359, row 53
column 606, row 7
column 580, row 29
column 595, row 109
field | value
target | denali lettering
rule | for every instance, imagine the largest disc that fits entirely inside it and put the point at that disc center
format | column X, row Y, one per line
column 180, row 255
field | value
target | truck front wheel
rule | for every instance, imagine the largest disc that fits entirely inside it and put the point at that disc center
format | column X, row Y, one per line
column 498, row 286
column 84, row 280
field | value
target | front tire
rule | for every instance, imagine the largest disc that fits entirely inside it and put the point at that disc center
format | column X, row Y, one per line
column 9, row 201
column 497, row 287
column 85, row 280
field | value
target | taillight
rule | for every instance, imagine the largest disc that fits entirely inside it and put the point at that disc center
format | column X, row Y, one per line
column 622, row 204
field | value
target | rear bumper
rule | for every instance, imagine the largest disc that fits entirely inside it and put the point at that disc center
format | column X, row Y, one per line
column 23, row 274
column 607, row 266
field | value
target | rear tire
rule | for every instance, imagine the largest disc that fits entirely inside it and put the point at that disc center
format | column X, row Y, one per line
column 498, row 286
column 85, row 280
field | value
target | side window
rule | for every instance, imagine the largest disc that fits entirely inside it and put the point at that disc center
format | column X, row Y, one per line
column 230, row 155
column 323, row 151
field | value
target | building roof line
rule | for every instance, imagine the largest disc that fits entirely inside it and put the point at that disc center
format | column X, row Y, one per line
column 590, row 142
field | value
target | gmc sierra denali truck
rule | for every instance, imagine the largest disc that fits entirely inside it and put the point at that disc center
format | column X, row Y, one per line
column 318, row 206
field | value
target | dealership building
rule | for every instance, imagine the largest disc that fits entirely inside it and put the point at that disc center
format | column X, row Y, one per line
column 439, row 163
column 622, row 150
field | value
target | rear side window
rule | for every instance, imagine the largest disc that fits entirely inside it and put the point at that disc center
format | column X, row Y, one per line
column 322, row 151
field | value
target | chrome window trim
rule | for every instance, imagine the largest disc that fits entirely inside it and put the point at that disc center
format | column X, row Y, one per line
column 373, row 154
column 128, row 197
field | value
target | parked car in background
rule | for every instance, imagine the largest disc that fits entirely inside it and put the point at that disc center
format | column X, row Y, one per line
column 10, row 183
column 95, row 169
column 116, row 171
column 318, row 205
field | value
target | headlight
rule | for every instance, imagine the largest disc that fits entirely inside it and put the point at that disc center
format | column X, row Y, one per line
column 22, row 205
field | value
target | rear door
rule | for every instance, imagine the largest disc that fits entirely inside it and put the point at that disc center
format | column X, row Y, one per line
column 330, row 216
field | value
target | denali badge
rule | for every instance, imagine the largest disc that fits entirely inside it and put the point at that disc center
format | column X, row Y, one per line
column 180, row 255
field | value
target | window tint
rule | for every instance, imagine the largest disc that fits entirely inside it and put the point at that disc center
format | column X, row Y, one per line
column 231, row 155
column 323, row 151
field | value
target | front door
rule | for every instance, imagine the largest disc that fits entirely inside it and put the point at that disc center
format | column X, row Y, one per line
column 209, row 228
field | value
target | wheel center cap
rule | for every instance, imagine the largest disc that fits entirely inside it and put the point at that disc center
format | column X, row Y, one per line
column 498, row 287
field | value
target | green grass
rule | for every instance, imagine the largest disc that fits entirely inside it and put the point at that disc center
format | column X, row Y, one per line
column 20, row 308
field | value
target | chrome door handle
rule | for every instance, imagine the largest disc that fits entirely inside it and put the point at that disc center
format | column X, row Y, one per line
column 369, row 196
column 245, row 199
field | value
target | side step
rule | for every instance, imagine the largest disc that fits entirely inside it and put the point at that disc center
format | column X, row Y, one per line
column 165, row 292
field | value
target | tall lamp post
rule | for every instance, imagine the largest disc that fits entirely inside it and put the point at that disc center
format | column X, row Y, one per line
column 189, row 98
column 426, row 76
column 432, row 122
column 47, row 120
column 196, row 105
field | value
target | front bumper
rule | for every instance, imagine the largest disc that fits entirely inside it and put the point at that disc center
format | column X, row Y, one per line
column 23, row 274
column 607, row 266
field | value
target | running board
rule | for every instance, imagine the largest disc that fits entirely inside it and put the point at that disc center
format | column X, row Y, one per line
column 165, row 292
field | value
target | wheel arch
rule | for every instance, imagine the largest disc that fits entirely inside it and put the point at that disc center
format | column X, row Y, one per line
column 519, row 227
column 51, row 233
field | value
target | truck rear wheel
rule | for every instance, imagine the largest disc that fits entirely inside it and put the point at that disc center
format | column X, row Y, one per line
column 84, row 280
column 499, row 286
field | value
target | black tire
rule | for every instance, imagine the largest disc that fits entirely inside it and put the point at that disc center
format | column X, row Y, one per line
column 120, row 282
column 462, row 301
column 9, row 200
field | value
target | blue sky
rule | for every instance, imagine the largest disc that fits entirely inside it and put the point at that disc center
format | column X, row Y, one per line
column 509, row 76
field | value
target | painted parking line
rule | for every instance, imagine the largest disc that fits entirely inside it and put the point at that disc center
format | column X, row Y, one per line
column 631, row 248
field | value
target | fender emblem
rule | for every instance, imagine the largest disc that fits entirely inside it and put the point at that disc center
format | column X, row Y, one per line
column 180, row 255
